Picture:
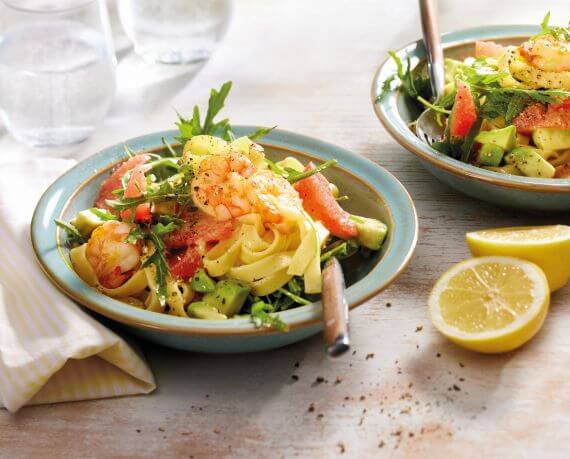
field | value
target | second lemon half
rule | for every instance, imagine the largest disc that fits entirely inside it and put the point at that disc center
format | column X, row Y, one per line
column 547, row 246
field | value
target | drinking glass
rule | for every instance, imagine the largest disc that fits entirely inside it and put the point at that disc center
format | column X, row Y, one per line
column 175, row 31
column 57, row 69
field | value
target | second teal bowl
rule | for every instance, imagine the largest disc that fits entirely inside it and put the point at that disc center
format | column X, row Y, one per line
column 395, row 113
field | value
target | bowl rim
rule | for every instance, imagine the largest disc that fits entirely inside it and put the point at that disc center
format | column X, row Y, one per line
column 388, row 114
column 74, row 287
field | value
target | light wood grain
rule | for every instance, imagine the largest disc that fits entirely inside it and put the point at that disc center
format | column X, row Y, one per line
column 308, row 67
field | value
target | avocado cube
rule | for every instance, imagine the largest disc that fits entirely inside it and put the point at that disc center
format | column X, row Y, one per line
column 505, row 138
column 371, row 232
column 529, row 161
column 86, row 221
column 228, row 297
column 489, row 155
column 551, row 138
column 202, row 283
column 202, row 310
column 165, row 208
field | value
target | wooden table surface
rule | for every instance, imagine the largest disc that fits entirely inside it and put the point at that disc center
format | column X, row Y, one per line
column 404, row 391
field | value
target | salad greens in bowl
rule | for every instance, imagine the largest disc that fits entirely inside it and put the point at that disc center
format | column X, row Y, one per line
column 211, row 238
column 503, row 123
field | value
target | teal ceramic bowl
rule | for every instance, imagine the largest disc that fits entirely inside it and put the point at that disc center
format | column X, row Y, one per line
column 395, row 113
column 374, row 192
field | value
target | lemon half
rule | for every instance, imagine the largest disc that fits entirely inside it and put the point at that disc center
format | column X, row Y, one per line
column 490, row 304
column 547, row 246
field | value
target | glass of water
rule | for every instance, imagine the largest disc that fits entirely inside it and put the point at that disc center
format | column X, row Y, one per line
column 57, row 69
column 175, row 31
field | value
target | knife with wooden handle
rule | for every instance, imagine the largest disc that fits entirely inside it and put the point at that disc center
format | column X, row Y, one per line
column 335, row 309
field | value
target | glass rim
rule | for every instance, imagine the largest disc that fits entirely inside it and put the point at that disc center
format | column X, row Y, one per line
column 46, row 6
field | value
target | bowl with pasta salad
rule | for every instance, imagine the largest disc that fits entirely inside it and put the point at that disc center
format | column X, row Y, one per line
column 501, row 130
column 211, row 237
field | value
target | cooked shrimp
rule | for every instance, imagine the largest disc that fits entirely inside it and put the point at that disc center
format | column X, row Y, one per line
column 112, row 258
column 547, row 53
column 227, row 186
column 274, row 197
column 218, row 188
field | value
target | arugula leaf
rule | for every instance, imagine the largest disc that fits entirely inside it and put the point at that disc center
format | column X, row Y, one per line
column 129, row 203
column 158, row 259
column 467, row 145
column 260, row 132
column 339, row 249
column 559, row 33
column 185, row 128
column 509, row 102
column 544, row 24
column 386, row 87
column 404, row 75
column 103, row 214
column 435, row 107
column 261, row 317
column 134, row 235
column 166, row 219
column 294, row 176
column 545, row 96
column 174, row 187
column 443, row 147
column 226, row 132
column 191, row 127
column 295, row 298
column 74, row 237
column 295, row 286
column 171, row 150
column 215, row 105
column 479, row 72
column 160, row 229
column 516, row 105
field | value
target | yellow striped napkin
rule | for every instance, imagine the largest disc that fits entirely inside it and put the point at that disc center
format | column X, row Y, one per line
column 50, row 349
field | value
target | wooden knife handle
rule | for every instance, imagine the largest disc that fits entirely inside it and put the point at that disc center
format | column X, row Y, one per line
column 335, row 309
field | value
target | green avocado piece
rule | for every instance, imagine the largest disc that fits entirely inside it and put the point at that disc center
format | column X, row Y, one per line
column 86, row 221
column 505, row 138
column 489, row 155
column 371, row 232
column 202, row 310
column 165, row 208
column 202, row 283
column 228, row 297
column 530, row 162
column 551, row 139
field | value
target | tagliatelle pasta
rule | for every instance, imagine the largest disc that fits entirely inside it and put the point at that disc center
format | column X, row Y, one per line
column 267, row 258
column 141, row 284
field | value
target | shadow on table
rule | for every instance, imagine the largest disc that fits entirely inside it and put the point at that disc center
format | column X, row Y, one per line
column 256, row 377
column 466, row 382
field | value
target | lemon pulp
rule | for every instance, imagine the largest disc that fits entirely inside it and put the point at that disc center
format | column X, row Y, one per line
column 490, row 304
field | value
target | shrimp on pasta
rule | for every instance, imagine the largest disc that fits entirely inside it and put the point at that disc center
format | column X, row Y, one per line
column 228, row 185
column 113, row 259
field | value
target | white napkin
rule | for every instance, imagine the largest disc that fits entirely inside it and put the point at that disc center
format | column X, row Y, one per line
column 50, row 349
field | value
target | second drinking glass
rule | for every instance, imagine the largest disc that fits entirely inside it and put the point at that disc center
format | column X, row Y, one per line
column 175, row 31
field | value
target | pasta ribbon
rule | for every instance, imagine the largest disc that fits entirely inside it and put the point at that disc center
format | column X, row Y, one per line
column 178, row 294
column 133, row 287
column 267, row 257
column 81, row 266
column 140, row 289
